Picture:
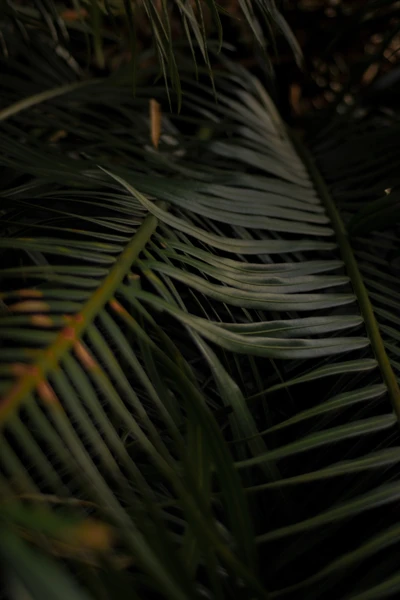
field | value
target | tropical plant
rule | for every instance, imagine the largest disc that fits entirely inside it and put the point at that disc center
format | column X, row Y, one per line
column 200, row 341
column 125, row 27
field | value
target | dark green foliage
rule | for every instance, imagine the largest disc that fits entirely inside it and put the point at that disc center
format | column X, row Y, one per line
column 193, row 404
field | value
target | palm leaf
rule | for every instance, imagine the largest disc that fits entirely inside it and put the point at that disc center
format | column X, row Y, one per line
column 157, row 313
column 89, row 18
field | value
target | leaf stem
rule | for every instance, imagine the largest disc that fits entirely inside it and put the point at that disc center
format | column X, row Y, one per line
column 25, row 103
column 354, row 273
column 69, row 335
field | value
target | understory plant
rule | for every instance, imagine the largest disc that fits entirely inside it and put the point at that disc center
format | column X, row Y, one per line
column 199, row 324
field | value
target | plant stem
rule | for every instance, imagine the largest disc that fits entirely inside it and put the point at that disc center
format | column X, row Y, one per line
column 354, row 273
column 49, row 358
column 25, row 103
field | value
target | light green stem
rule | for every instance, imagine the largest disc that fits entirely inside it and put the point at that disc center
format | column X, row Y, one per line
column 25, row 103
column 354, row 273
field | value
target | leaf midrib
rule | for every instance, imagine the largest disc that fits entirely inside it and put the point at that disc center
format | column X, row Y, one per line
column 68, row 336
column 353, row 271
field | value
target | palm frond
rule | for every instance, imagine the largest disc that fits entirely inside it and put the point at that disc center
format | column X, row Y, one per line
column 118, row 22
column 185, row 353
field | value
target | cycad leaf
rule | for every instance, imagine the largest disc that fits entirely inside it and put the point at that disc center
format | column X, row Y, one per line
column 158, row 17
column 174, row 322
column 39, row 576
column 386, row 494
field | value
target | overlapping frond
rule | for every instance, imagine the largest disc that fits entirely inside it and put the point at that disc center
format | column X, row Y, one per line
column 104, row 25
column 185, row 363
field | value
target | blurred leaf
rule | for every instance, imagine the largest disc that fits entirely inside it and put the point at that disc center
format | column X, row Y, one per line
column 39, row 576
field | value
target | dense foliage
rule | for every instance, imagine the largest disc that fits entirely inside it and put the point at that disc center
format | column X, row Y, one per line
column 200, row 330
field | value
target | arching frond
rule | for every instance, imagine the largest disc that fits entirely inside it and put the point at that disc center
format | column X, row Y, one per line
column 188, row 369
column 118, row 23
